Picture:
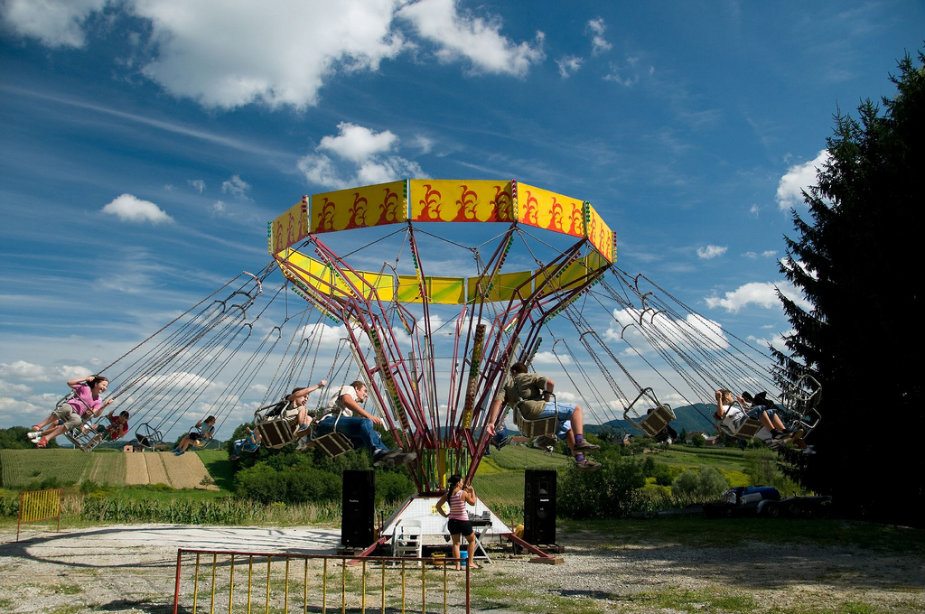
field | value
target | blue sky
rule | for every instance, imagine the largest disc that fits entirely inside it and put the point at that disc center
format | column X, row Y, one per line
column 146, row 143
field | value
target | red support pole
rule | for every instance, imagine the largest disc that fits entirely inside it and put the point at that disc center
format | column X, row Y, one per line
column 176, row 587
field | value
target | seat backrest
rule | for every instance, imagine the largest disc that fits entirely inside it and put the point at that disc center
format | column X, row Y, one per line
column 656, row 420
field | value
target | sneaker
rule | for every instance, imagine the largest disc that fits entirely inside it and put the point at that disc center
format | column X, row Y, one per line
column 403, row 458
column 385, row 458
column 585, row 446
column 33, row 435
column 500, row 442
column 178, row 452
column 41, row 443
column 587, row 465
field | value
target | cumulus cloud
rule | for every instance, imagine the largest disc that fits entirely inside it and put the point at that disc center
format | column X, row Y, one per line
column 130, row 208
column 358, row 156
column 235, row 186
column 710, row 251
column 548, row 358
column 21, row 369
column 568, row 65
column 596, row 28
column 198, row 184
column 797, row 179
column 662, row 331
column 56, row 24
column 465, row 36
column 760, row 294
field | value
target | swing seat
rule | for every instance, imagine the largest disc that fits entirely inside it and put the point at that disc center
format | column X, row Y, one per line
column 148, row 436
column 748, row 428
column 656, row 420
column 536, row 428
column 84, row 437
column 333, row 444
column 277, row 431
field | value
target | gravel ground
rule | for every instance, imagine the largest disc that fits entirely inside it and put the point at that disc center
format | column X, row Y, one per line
column 131, row 569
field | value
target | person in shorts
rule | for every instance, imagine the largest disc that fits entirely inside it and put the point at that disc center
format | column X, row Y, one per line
column 458, row 494
column 85, row 403
column 199, row 436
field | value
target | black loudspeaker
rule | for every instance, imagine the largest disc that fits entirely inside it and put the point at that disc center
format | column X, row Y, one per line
column 540, row 506
column 358, row 508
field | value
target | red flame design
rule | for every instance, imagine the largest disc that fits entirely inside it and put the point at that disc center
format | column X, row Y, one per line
column 467, row 203
column 388, row 208
column 358, row 211
column 326, row 217
column 530, row 211
column 431, row 202
column 278, row 237
column 502, row 202
column 575, row 222
column 555, row 221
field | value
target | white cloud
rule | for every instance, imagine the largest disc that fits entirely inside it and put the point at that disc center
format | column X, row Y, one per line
column 548, row 358
column 363, row 156
column 322, row 334
column 219, row 207
column 778, row 342
column 473, row 38
column 56, row 24
column 626, row 75
column 661, row 331
column 198, row 184
column 358, row 143
column 21, row 369
column 797, row 179
column 129, row 208
column 279, row 53
column 424, row 144
column 769, row 253
column 754, row 210
column 710, row 251
column 568, row 65
column 599, row 44
column 761, row 294
column 235, row 186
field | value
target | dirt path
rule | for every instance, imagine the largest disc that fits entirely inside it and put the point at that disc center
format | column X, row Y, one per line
column 186, row 471
column 131, row 569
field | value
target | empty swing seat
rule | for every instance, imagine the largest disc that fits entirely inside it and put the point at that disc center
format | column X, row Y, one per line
column 333, row 444
column 278, row 431
column 656, row 420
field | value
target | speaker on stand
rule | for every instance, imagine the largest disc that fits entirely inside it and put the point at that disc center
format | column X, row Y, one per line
column 540, row 507
column 358, row 508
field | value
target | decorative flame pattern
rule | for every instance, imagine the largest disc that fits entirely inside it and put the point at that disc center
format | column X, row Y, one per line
column 389, row 207
column 431, row 202
column 357, row 212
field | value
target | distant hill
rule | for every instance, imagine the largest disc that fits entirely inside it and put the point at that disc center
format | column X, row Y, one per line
column 690, row 418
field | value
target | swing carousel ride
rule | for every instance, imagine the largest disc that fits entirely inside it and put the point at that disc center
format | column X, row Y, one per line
column 427, row 291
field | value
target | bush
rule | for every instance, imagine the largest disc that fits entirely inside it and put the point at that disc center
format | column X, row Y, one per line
column 611, row 492
column 699, row 486
column 392, row 486
column 261, row 483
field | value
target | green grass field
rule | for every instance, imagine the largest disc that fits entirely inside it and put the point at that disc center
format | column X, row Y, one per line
column 29, row 468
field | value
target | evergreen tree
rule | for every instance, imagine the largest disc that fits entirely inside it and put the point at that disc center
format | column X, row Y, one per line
column 857, row 262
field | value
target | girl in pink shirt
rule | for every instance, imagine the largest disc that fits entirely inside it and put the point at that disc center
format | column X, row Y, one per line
column 85, row 404
column 458, row 494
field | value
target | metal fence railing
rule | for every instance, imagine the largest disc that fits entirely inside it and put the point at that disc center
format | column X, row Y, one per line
column 213, row 581
column 39, row 506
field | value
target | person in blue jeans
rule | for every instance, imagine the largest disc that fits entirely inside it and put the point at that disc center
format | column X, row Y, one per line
column 345, row 412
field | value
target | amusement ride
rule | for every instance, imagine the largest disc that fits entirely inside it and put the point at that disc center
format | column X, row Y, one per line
column 427, row 291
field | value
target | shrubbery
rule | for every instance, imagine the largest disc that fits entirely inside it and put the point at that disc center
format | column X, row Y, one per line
column 611, row 492
column 699, row 485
